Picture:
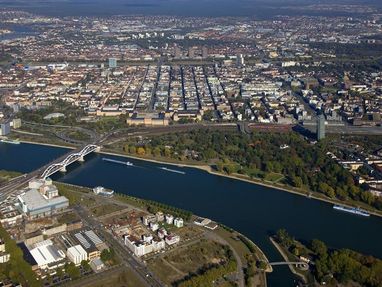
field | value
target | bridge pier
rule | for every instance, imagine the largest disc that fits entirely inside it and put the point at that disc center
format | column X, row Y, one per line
column 98, row 149
column 63, row 169
column 81, row 158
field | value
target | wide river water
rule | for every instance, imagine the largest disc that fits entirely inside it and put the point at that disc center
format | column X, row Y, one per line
column 253, row 210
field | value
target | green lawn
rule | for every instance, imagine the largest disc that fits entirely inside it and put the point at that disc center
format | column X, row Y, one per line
column 273, row 177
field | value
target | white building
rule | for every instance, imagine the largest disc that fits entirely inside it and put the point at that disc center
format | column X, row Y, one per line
column 169, row 219
column 47, row 255
column 202, row 221
column 147, row 238
column 97, row 265
column 154, row 226
column 41, row 199
column 4, row 257
column 34, row 204
column 172, row 239
column 138, row 247
column 159, row 215
column 148, row 218
column 158, row 245
column 141, row 248
column 162, row 233
column 77, row 254
column 178, row 222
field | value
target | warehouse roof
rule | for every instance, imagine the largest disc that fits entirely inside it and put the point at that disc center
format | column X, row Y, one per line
column 46, row 253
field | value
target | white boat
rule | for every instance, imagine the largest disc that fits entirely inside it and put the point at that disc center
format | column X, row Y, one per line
column 353, row 210
column 9, row 141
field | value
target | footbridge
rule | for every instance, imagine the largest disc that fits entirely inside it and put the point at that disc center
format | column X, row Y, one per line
column 77, row 155
column 301, row 265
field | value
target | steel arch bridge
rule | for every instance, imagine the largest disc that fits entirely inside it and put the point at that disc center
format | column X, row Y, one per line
column 53, row 168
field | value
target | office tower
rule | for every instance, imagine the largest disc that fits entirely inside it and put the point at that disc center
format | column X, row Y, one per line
column 320, row 127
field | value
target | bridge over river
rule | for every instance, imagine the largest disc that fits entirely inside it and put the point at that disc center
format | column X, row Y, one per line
column 49, row 169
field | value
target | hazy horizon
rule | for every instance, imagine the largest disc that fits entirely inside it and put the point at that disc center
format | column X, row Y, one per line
column 259, row 8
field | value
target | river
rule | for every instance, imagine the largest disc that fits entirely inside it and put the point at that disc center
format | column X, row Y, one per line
column 253, row 210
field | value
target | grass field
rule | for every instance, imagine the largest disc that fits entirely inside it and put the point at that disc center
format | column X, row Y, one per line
column 273, row 177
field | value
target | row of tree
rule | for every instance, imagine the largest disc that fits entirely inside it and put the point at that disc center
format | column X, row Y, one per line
column 155, row 206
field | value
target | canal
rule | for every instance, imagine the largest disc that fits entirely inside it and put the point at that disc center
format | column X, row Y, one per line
column 251, row 209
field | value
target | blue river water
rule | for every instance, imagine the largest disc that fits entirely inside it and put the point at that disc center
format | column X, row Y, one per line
column 253, row 210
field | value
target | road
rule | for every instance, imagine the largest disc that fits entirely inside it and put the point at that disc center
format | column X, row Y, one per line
column 138, row 267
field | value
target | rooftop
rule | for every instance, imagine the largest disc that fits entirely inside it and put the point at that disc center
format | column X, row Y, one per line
column 46, row 253
column 35, row 200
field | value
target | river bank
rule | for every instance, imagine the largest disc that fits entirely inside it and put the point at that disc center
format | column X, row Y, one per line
column 209, row 169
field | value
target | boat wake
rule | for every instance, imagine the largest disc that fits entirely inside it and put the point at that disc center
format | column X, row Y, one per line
column 127, row 163
column 172, row 170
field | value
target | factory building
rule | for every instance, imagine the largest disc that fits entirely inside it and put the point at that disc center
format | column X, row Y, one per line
column 77, row 254
column 41, row 199
column 47, row 255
